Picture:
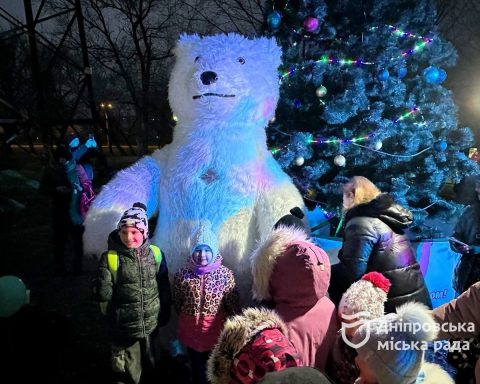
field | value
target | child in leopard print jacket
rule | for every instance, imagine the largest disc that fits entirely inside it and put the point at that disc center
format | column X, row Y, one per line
column 204, row 295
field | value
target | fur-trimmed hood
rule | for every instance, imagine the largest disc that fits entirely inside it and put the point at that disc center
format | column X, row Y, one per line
column 264, row 258
column 285, row 252
column 384, row 208
column 238, row 331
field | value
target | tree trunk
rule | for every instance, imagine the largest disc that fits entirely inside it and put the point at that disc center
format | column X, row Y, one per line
column 142, row 142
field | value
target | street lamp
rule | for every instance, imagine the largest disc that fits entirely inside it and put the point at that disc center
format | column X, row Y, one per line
column 104, row 106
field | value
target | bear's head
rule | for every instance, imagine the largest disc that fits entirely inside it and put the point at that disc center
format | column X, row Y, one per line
column 225, row 78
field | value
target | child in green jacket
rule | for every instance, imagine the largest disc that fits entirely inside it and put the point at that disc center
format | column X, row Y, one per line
column 132, row 280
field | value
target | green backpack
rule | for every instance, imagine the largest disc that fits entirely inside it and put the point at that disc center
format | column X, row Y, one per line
column 112, row 262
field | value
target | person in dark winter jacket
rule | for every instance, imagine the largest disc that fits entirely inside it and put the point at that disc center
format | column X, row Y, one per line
column 251, row 345
column 374, row 240
column 134, row 284
column 467, row 230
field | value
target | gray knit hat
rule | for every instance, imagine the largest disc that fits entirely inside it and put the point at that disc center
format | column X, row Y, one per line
column 393, row 345
column 204, row 235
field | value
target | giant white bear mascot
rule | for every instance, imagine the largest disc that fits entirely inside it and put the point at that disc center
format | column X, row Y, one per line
column 223, row 90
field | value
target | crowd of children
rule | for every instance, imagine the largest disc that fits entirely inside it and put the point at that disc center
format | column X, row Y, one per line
column 295, row 325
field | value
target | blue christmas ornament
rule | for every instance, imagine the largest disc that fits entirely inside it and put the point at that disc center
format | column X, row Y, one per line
column 401, row 72
column 431, row 75
column 383, row 75
column 441, row 145
column 274, row 19
column 297, row 103
column 442, row 76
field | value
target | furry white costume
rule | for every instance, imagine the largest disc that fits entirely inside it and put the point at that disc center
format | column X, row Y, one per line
column 223, row 90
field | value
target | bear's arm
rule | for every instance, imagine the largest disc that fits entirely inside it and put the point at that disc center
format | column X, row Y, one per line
column 137, row 183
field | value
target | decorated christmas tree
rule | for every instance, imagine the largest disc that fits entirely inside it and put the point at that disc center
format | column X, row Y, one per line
column 362, row 94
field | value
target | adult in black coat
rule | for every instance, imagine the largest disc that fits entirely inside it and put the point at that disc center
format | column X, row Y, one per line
column 374, row 240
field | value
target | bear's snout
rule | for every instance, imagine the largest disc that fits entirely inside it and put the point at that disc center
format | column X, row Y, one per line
column 208, row 77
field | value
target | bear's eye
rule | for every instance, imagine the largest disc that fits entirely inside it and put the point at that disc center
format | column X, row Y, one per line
column 241, row 60
column 196, row 59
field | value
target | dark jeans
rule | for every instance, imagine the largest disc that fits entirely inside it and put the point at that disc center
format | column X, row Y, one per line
column 62, row 229
column 198, row 361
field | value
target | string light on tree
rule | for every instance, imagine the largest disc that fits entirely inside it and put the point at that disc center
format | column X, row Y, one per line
column 417, row 48
column 398, row 32
column 325, row 59
column 383, row 75
column 340, row 141
column 406, row 115
column 345, row 141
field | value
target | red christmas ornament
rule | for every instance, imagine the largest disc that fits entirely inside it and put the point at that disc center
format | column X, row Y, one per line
column 378, row 280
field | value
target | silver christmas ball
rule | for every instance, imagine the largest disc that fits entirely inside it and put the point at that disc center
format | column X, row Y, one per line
column 321, row 91
column 378, row 145
column 299, row 161
column 339, row 160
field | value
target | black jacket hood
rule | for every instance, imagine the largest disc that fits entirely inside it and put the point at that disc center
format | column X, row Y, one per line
column 384, row 208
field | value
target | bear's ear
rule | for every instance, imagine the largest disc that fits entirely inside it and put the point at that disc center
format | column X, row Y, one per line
column 269, row 48
column 185, row 44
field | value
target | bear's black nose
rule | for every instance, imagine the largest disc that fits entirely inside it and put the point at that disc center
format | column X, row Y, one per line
column 208, row 77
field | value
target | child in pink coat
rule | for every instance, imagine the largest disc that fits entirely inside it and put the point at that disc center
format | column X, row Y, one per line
column 293, row 274
column 204, row 295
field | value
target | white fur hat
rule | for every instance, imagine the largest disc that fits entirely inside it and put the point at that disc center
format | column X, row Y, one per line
column 368, row 295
